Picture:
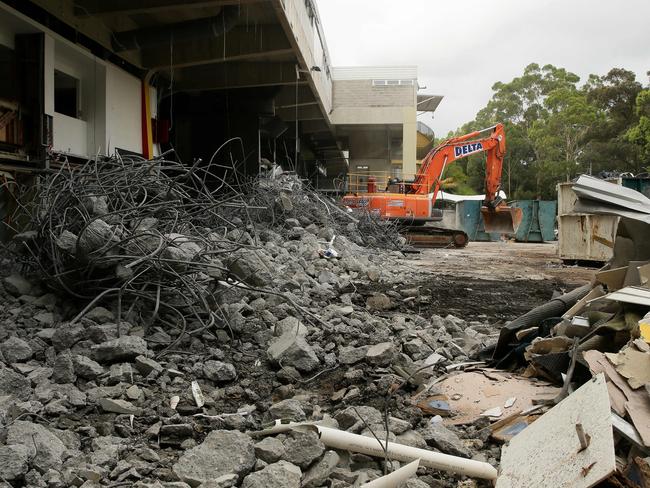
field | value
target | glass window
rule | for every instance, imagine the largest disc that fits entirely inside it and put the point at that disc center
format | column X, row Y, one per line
column 66, row 94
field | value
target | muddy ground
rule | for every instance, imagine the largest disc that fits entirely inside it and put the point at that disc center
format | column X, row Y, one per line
column 495, row 280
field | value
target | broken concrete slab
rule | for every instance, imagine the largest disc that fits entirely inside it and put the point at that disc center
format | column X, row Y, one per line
column 46, row 450
column 219, row 371
column 223, row 452
column 114, row 405
column 86, row 368
column 439, row 436
column 352, row 355
column 124, row 348
column 12, row 383
column 288, row 409
column 63, row 369
column 294, row 351
column 302, row 448
column 382, row 354
column 269, row 449
column 14, row 462
column 277, row 475
column 320, row 471
column 15, row 350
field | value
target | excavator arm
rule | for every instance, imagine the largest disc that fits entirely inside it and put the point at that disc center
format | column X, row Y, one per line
column 434, row 164
column 497, row 217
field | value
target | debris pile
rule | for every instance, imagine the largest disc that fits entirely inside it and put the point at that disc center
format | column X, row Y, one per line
column 283, row 199
column 161, row 239
column 174, row 328
column 598, row 336
column 158, row 326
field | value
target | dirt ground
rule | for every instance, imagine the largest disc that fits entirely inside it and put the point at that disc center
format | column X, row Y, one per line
column 493, row 281
column 504, row 261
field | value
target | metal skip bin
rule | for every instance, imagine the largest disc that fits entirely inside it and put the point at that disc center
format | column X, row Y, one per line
column 538, row 222
column 583, row 236
column 468, row 218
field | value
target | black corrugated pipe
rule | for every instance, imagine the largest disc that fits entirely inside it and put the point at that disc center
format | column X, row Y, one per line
column 182, row 31
column 555, row 308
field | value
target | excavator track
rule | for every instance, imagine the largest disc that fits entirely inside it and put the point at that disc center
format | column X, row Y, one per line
column 431, row 237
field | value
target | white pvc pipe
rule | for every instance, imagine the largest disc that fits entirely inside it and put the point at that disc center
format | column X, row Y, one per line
column 347, row 441
column 396, row 478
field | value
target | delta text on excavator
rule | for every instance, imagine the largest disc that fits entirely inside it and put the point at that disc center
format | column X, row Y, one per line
column 412, row 203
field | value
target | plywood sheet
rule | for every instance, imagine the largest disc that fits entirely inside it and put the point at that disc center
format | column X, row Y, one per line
column 635, row 366
column 638, row 402
column 547, row 453
column 613, row 278
column 470, row 394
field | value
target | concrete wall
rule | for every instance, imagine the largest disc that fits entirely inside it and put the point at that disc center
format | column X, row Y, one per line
column 362, row 93
column 360, row 102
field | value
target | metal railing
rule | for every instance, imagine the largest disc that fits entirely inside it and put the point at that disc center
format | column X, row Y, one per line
column 384, row 181
column 426, row 130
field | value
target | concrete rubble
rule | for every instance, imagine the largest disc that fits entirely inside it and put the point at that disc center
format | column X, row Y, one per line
column 272, row 327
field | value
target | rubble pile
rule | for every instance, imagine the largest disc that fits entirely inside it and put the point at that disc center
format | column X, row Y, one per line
column 284, row 199
column 152, row 335
column 154, row 235
column 165, row 335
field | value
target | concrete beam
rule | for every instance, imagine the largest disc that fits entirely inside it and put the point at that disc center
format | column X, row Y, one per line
column 159, row 36
column 242, row 43
column 85, row 8
column 305, row 112
column 314, row 127
column 286, row 97
column 235, row 75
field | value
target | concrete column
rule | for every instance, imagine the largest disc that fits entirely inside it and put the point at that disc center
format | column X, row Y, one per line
column 48, row 74
column 409, row 141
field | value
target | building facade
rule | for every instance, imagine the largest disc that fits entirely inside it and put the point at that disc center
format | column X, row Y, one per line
column 91, row 77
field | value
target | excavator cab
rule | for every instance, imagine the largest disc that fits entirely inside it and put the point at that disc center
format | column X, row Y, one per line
column 501, row 219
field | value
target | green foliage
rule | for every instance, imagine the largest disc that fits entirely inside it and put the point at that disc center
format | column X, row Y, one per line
column 557, row 129
column 639, row 133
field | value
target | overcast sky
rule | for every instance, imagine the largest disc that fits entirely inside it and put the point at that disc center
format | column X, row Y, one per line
column 463, row 46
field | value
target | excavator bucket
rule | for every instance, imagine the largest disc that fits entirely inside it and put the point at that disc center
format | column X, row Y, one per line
column 502, row 219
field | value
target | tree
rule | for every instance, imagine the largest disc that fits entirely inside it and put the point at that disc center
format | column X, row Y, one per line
column 557, row 128
column 559, row 137
column 639, row 133
column 615, row 95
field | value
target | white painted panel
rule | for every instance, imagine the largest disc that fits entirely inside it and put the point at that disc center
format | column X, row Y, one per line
column 123, row 110
column 70, row 135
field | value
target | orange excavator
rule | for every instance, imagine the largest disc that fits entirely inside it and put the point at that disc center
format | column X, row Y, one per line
column 412, row 203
